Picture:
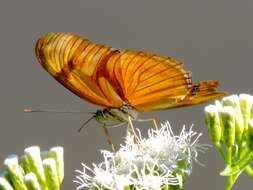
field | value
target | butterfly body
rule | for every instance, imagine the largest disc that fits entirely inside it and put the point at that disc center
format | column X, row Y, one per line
column 122, row 82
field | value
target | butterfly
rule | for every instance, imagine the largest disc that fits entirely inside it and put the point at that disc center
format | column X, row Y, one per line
column 123, row 82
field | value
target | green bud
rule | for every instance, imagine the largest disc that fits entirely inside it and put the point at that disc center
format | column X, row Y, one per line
column 32, row 155
column 4, row 184
column 251, row 111
column 213, row 123
column 250, row 135
column 51, row 174
column 25, row 164
column 234, row 101
column 228, row 124
column 218, row 104
column 5, row 175
column 57, row 154
column 31, row 182
column 15, row 172
column 246, row 104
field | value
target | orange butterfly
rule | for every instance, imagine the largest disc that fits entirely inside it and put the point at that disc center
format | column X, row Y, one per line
column 123, row 82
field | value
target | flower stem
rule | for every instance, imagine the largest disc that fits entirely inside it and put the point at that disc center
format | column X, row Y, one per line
column 231, row 181
column 218, row 146
column 229, row 155
column 249, row 171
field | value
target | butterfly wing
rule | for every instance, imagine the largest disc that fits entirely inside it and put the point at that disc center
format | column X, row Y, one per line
column 112, row 78
column 201, row 92
column 152, row 82
column 76, row 62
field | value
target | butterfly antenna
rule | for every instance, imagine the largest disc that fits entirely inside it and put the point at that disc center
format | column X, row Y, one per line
column 55, row 111
column 85, row 123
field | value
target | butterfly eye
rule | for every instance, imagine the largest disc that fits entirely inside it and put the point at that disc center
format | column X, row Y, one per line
column 101, row 116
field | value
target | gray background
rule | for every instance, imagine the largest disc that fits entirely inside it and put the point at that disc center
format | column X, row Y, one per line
column 213, row 38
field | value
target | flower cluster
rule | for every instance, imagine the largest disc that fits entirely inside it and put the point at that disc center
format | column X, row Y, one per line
column 230, row 124
column 34, row 170
column 161, row 160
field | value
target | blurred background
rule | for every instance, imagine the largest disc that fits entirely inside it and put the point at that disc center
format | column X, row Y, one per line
column 213, row 38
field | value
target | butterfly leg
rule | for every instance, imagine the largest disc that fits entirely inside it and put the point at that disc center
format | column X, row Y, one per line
column 130, row 123
column 107, row 136
column 149, row 119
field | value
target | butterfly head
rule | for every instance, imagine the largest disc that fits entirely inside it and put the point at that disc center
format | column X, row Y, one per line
column 102, row 116
column 115, row 115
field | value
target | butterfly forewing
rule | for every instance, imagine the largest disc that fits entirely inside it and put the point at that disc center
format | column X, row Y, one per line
column 69, row 71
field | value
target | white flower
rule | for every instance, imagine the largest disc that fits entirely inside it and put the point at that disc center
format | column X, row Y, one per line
column 161, row 159
column 103, row 178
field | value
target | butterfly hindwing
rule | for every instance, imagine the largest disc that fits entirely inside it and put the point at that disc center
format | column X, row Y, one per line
column 149, row 81
column 201, row 92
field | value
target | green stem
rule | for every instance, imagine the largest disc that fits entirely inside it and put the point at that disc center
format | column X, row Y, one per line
column 219, row 147
column 243, row 150
column 231, row 181
column 245, row 161
column 229, row 155
column 249, row 171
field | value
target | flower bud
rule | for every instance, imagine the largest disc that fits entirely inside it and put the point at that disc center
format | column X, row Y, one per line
column 32, row 155
column 31, row 182
column 4, row 184
column 15, row 172
column 51, row 174
column 57, row 154
column 5, row 175
column 25, row 164
column 213, row 122
column 251, row 111
column 246, row 104
column 234, row 101
column 228, row 124
column 250, row 135
column 218, row 104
